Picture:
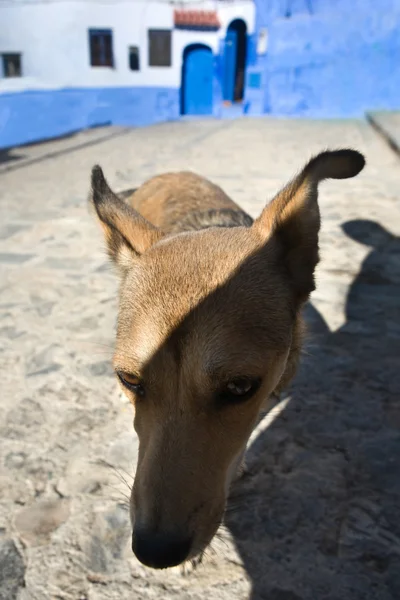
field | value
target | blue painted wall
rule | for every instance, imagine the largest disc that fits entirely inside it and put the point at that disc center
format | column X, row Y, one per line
column 38, row 115
column 327, row 58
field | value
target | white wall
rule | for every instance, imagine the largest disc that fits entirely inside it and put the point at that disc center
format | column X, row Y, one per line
column 53, row 40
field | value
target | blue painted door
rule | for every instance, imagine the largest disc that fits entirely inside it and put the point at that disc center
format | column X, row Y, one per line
column 197, row 81
column 230, row 50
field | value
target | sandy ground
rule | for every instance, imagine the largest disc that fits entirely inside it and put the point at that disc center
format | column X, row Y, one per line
column 319, row 512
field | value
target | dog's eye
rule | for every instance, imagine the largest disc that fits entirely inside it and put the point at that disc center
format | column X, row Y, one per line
column 131, row 382
column 239, row 389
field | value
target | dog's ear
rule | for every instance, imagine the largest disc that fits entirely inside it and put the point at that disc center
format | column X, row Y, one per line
column 292, row 218
column 127, row 233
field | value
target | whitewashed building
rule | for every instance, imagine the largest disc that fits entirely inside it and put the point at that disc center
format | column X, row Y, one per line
column 71, row 64
column 67, row 65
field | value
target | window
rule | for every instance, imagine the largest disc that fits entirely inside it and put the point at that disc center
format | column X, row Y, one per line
column 101, row 52
column 134, row 62
column 12, row 65
column 159, row 47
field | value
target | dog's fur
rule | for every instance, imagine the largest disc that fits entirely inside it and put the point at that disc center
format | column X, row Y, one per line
column 209, row 328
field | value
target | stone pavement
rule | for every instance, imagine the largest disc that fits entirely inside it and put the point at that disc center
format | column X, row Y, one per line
column 15, row 158
column 317, row 517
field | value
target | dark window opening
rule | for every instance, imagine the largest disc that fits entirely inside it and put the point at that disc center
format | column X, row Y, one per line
column 160, row 47
column 134, row 62
column 12, row 65
column 101, row 51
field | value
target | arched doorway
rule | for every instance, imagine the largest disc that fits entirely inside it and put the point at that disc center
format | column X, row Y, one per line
column 197, row 80
column 235, row 61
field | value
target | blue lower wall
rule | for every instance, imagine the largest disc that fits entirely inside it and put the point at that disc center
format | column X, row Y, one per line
column 38, row 115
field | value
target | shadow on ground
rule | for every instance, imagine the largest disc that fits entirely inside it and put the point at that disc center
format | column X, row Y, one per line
column 8, row 156
column 319, row 515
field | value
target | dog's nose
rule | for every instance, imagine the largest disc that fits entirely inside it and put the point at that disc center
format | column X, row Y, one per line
column 160, row 550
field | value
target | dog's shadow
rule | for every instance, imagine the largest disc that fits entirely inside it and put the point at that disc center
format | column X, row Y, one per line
column 318, row 513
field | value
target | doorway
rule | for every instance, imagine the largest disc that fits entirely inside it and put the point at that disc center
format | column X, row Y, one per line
column 235, row 54
column 197, row 80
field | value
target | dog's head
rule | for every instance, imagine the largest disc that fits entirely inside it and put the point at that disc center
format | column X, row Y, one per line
column 208, row 328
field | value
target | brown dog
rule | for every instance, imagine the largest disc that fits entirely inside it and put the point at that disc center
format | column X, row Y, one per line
column 209, row 328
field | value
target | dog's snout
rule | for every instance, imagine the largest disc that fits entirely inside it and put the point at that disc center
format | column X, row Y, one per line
column 160, row 550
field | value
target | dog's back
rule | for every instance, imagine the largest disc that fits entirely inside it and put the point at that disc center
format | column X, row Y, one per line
column 185, row 201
